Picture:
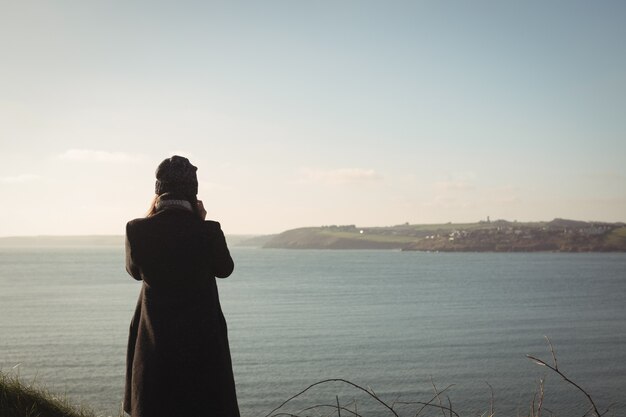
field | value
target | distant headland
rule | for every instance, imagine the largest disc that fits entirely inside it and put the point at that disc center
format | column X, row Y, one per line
column 558, row 235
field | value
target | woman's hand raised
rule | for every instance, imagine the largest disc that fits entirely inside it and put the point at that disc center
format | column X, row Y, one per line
column 201, row 210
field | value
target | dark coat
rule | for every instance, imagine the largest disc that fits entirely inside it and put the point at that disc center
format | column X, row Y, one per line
column 178, row 361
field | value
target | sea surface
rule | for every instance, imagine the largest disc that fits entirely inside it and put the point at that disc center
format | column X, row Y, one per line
column 399, row 323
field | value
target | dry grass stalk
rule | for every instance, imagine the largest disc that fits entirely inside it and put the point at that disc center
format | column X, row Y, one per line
column 555, row 368
column 438, row 396
column 370, row 393
column 491, row 400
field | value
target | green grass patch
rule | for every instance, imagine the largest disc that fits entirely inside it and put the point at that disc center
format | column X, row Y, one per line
column 371, row 237
column 617, row 237
column 25, row 400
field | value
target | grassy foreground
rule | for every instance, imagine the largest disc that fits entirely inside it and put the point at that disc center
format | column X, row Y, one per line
column 20, row 400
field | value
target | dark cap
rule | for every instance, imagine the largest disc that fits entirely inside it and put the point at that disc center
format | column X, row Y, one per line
column 176, row 175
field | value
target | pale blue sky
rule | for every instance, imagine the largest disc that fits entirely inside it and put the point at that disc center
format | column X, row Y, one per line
column 312, row 113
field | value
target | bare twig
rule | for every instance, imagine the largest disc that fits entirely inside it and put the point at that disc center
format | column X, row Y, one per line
column 541, row 396
column 430, row 404
column 554, row 368
column 425, row 404
column 532, row 405
column 594, row 408
column 556, row 364
column 536, row 406
column 333, row 406
column 437, row 396
column 395, row 401
column 338, row 407
column 370, row 393
column 491, row 401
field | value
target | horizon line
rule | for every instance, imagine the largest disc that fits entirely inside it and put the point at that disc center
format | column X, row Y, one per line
column 92, row 235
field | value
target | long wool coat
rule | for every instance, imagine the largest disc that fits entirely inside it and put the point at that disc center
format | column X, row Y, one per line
column 178, row 361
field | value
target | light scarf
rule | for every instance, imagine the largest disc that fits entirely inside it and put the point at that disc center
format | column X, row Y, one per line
column 165, row 204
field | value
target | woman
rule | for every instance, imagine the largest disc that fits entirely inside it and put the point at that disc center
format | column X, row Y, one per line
column 178, row 361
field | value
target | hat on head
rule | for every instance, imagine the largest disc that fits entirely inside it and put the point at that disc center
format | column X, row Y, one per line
column 176, row 175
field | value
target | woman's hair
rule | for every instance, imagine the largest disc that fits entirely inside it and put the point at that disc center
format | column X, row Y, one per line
column 152, row 210
column 193, row 200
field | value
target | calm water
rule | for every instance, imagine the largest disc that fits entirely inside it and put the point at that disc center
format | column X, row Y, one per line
column 393, row 321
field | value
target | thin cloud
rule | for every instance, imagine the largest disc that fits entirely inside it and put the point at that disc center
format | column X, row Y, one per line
column 340, row 175
column 20, row 179
column 91, row 155
column 503, row 195
column 458, row 181
column 448, row 202
column 459, row 185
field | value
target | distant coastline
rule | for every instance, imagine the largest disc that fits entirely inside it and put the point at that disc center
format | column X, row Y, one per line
column 558, row 235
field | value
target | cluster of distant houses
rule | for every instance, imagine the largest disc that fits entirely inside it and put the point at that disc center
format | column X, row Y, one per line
column 525, row 232
column 499, row 227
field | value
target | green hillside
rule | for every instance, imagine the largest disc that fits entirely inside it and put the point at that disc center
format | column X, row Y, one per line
column 558, row 235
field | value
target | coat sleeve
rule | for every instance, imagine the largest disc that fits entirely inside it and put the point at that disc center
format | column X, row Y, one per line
column 131, row 267
column 222, row 264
